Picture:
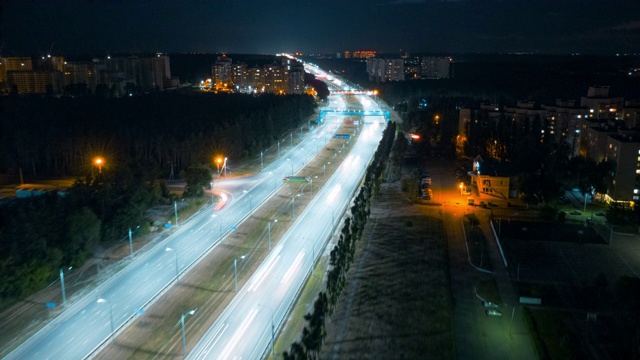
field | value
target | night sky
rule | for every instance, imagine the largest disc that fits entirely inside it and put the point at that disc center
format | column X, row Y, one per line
column 96, row 27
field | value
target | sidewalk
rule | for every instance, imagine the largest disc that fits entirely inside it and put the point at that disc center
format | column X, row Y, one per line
column 516, row 330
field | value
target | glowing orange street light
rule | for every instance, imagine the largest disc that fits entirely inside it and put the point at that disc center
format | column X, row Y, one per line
column 99, row 161
column 218, row 162
column 415, row 136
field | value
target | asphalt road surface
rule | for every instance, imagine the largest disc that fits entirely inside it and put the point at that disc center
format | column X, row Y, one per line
column 246, row 328
column 87, row 324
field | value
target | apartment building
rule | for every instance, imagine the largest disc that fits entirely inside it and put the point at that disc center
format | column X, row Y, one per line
column 601, row 128
column 286, row 77
column 384, row 70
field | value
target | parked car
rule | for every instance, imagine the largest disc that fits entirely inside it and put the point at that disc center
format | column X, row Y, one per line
column 493, row 312
column 576, row 212
column 600, row 214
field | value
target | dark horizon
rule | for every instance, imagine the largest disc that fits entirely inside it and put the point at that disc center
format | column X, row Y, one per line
column 268, row 27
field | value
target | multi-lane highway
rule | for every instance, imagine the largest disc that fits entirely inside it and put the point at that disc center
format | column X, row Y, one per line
column 89, row 322
column 246, row 328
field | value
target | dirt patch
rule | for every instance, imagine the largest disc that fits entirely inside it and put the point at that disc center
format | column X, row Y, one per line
column 396, row 304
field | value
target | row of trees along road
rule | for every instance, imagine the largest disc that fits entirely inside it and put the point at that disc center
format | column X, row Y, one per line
column 342, row 255
column 140, row 139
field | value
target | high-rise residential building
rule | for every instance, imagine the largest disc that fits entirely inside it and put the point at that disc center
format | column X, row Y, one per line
column 35, row 82
column 50, row 63
column 600, row 105
column 239, row 76
column 256, row 79
column 562, row 123
column 80, row 72
column 221, row 72
column 13, row 64
column 436, row 67
column 383, row 70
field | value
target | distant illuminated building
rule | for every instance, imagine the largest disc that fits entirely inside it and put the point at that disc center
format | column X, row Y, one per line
column 600, row 105
column 80, row 72
column 35, row 82
column 13, row 64
column 364, row 54
column 221, row 72
column 383, row 70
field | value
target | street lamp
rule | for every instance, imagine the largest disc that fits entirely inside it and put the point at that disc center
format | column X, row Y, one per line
column 184, row 336
column 212, row 192
column 101, row 301
column 99, row 161
column 261, row 161
column 218, row 162
column 131, row 239
column 269, row 226
column 460, row 186
column 64, row 293
column 289, row 159
column 176, row 253
column 235, row 272
column 175, row 210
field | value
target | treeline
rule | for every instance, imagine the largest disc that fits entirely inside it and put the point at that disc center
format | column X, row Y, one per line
column 47, row 136
column 342, row 256
column 40, row 234
column 141, row 139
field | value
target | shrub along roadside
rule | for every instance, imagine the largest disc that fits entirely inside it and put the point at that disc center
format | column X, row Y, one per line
column 342, row 255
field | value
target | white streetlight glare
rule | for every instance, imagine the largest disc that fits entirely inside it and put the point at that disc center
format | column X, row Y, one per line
column 235, row 272
column 101, row 301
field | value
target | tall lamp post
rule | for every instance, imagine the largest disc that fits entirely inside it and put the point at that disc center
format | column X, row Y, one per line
column 64, row 293
column 218, row 163
column 176, row 256
column 293, row 205
column 235, row 272
column 101, row 301
column 131, row 239
column 184, row 336
column 269, row 226
column 273, row 329
column 289, row 159
column 175, row 210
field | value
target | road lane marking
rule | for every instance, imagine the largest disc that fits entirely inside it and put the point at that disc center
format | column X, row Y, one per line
column 238, row 334
column 263, row 273
column 293, row 268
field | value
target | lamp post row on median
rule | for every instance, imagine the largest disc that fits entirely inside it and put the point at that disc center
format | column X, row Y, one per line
column 184, row 336
column 269, row 227
column 235, row 272
column 101, row 301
